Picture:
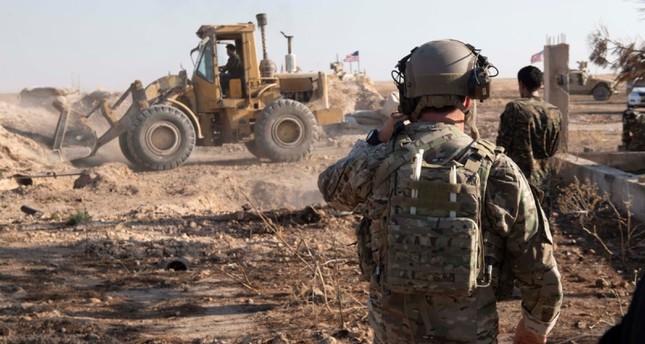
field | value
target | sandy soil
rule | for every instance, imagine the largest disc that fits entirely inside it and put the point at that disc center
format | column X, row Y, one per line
column 266, row 261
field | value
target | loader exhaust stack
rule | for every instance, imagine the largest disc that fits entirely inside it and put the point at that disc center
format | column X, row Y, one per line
column 267, row 67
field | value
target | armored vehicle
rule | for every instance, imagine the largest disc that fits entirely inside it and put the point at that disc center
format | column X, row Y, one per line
column 581, row 82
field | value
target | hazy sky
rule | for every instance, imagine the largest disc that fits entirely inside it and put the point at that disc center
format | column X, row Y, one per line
column 109, row 44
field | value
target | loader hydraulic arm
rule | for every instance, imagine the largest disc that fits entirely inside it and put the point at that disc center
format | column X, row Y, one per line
column 117, row 126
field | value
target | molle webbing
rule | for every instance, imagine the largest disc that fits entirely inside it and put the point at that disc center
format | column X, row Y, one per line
column 424, row 203
column 430, row 255
column 432, row 239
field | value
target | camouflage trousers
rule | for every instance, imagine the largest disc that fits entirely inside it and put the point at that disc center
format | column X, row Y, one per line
column 418, row 318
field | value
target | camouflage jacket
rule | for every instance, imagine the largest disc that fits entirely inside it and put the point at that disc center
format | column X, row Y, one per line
column 519, row 238
column 529, row 131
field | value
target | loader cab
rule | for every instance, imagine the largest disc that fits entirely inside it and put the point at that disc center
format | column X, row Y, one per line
column 211, row 55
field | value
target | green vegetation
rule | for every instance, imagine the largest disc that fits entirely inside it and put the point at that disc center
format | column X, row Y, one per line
column 79, row 217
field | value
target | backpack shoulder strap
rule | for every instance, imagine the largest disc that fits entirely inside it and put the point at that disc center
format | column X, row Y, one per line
column 406, row 151
column 479, row 159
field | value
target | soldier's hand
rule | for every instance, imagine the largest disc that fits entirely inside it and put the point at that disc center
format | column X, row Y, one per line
column 387, row 129
column 523, row 336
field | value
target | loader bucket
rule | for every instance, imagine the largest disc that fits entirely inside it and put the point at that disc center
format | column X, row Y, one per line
column 73, row 139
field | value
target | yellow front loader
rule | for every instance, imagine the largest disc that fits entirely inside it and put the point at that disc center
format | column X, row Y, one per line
column 275, row 115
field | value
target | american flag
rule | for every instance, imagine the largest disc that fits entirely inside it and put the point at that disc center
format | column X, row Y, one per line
column 353, row 57
column 537, row 57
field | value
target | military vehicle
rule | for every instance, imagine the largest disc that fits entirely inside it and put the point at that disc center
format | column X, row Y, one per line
column 581, row 82
column 275, row 115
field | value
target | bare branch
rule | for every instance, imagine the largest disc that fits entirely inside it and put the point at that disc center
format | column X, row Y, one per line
column 626, row 59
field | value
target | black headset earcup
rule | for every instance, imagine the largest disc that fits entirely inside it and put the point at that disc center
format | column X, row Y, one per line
column 406, row 105
column 479, row 84
column 472, row 84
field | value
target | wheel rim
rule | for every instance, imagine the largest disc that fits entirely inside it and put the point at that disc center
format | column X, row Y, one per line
column 287, row 132
column 163, row 138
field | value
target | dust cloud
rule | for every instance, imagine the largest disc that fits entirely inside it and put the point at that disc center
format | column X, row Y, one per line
column 218, row 179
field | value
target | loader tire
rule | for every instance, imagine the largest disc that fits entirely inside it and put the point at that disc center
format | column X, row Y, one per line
column 285, row 130
column 253, row 148
column 161, row 138
column 123, row 144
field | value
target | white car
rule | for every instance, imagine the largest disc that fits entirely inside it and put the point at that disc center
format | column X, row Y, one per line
column 636, row 97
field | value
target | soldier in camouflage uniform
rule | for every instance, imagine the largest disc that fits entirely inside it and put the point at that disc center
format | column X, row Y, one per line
column 633, row 130
column 529, row 131
column 517, row 235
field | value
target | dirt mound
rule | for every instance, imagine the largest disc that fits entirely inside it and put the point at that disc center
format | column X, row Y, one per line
column 354, row 94
column 21, row 154
column 24, row 143
column 37, row 123
column 43, row 96
column 111, row 177
column 27, row 128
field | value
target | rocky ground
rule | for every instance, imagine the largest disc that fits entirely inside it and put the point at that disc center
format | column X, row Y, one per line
column 229, row 249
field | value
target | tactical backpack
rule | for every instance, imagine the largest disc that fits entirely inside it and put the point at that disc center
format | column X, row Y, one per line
column 432, row 241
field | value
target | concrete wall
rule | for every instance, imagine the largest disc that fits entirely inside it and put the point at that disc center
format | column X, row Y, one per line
column 626, row 161
column 621, row 186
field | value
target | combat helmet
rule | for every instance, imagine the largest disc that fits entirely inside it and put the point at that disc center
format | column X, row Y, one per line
column 441, row 73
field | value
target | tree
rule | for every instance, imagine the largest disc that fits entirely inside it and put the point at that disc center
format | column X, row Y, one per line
column 627, row 58
column 630, row 56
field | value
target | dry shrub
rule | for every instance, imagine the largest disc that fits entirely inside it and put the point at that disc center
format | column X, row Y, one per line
column 636, row 248
column 632, row 236
column 326, row 281
column 597, row 216
column 580, row 199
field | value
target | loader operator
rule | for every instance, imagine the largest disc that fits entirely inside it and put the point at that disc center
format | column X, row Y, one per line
column 450, row 222
column 233, row 68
